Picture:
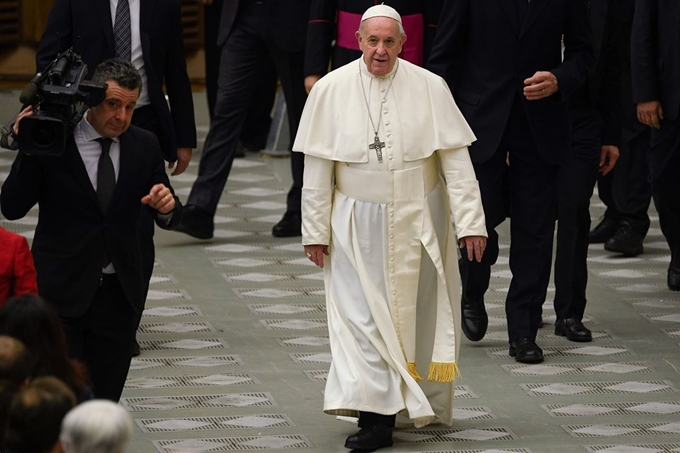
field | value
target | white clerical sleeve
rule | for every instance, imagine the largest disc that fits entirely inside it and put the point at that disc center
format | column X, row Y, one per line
column 463, row 190
column 317, row 193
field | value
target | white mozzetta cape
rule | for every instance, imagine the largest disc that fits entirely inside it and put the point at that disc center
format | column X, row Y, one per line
column 335, row 115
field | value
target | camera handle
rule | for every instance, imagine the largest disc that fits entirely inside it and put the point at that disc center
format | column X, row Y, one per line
column 7, row 132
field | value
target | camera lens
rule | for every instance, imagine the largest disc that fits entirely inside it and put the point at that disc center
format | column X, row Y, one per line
column 44, row 136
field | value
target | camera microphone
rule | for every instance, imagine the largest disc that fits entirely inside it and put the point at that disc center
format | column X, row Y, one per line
column 30, row 90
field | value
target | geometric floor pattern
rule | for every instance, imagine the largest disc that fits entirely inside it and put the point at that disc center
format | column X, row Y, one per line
column 235, row 346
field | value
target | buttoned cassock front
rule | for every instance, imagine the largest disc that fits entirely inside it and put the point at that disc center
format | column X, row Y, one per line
column 392, row 284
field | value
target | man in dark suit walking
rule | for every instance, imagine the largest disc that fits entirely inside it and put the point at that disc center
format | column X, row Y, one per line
column 503, row 62
column 86, row 246
column 250, row 32
column 596, row 114
column 655, row 47
column 626, row 191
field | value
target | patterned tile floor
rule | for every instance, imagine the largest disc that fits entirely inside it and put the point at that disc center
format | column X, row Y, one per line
column 235, row 349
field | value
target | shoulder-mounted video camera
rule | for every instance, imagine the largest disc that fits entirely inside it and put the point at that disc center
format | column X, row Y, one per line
column 59, row 96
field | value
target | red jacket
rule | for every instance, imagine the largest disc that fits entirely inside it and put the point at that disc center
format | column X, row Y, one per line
column 17, row 272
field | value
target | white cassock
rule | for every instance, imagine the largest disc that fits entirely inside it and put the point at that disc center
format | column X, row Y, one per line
column 392, row 282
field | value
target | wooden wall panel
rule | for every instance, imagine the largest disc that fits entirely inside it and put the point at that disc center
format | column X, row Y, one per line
column 10, row 13
column 192, row 22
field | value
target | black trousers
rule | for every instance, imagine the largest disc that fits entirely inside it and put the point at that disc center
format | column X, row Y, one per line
column 241, row 61
column 102, row 338
column 370, row 419
column 626, row 190
column 527, row 189
column 664, row 170
column 577, row 176
column 258, row 119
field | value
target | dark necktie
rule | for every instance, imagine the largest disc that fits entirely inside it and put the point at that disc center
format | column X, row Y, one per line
column 122, row 36
column 106, row 175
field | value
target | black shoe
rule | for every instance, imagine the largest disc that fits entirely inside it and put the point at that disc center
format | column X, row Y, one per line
column 626, row 241
column 475, row 319
column 370, row 438
column 573, row 329
column 602, row 231
column 289, row 226
column 136, row 349
column 525, row 350
column 196, row 222
column 673, row 279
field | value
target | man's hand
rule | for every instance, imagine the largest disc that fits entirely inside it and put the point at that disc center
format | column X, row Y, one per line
column 28, row 111
column 475, row 246
column 310, row 80
column 183, row 159
column 540, row 85
column 316, row 252
column 650, row 113
column 608, row 156
column 160, row 198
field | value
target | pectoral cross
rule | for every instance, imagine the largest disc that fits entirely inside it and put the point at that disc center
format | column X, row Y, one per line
column 377, row 145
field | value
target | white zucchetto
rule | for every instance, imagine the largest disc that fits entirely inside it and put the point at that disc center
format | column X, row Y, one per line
column 381, row 10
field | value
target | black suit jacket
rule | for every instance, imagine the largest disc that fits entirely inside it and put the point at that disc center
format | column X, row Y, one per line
column 86, row 26
column 282, row 18
column 485, row 55
column 655, row 47
column 72, row 233
column 600, row 97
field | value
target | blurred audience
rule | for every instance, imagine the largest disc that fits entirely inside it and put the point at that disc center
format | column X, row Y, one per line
column 98, row 426
column 7, row 391
column 34, row 417
column 30, row 319
column 17, row 271
column 16, row 361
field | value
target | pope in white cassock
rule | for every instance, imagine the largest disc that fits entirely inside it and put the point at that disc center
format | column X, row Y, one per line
column 387, row 171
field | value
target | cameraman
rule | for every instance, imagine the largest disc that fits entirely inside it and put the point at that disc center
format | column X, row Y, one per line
column 150, row 35
column 86, row 247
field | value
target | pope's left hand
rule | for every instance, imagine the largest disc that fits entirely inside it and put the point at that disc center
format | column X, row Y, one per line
column 160, row 198
column 475, row 246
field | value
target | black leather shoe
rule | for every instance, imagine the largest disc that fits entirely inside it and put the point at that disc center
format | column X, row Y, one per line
column 196, row 222
column 475, row 319
column 136, row 350
column 673, row 279
column 289, row 226
column 626, row 241
column 370, row 438
column 602, row 231
column 525, row 350
column 573, row 329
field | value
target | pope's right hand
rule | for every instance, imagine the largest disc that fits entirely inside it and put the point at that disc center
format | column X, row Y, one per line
column 316, row 252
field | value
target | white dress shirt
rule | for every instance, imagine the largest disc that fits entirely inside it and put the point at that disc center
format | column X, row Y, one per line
column 137, row 56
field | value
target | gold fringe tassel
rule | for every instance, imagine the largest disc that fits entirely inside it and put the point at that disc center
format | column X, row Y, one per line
column 443, row 372
column 413, row 371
